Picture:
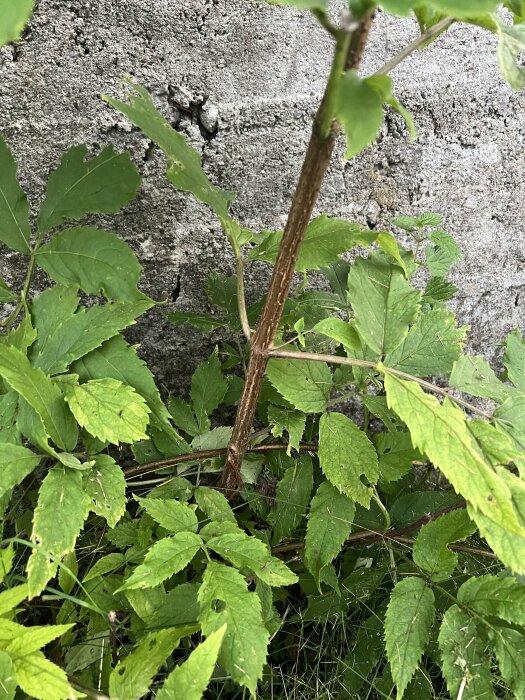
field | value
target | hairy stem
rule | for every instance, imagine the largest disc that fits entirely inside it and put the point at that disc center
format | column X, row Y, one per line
column 317, row 160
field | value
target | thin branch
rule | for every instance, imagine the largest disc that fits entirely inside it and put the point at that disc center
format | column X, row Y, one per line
column 241, row 299
column 431, row 33
column 335, row 359
column 323, row 19
column 149, row 467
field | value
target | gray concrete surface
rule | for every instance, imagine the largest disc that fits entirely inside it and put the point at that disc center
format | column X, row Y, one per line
column 242, row 80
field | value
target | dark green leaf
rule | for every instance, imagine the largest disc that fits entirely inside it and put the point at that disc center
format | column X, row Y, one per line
column 208, row 388
column 396, row 454
column 294, row 422
column 305, row 384
column 292, row 497
column 514, row 360
column 14, row 208
column 430, row 548
column 6, row 294
column 16, row 462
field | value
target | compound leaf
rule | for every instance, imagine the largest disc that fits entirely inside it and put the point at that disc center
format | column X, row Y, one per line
column 102, row 185
column 165, row 558
column 305, row 384
column 109, row 410
column 384, row 303
column 95, row 260
column 329, row 524
column 170, row 514
column 431, row 347
column 346, row 455
column 190, row 679
column 224, row 599
column 14, row 207
column 408, row 621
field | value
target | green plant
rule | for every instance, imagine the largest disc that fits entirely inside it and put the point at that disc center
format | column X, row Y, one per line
column 404, row 534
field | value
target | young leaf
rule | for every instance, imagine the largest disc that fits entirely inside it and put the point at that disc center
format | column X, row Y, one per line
column 208, row 388
column 40, row 678
column 329, row 524
column 346, row 455
column 431, row 347
column 442, row 433
column 190, row 680
column 294, row 422
column 132, row 677
column 438, row 290
column 430, row 551
column 83, row 332
column 465, row 663
column 495, row 596
column 61, row 511
column 384, row 303
column 109, row 410
column 95, row 260
column 184, row 166
column 442, row 253
column 359, row 108
column 16, row 462
column 224, row 599
column 165, row 558
column 514, row 360
column 40, row 393
column 305, row 384
column 408, row 621
column 214, row 505
column 106, row 487
column 291, row 498
column 473, row 375
column 14, row 208
column 248, row 552
column 102, row 185
column 511, row 45
column 172, row 515
column 325, row 239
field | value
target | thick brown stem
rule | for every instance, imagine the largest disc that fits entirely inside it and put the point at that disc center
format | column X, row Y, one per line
column 315, row 166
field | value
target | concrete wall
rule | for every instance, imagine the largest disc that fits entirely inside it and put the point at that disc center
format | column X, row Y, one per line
column 259, row 71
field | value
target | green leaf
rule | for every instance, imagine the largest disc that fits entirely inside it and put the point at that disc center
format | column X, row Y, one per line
column 224, row 599
column 34, row 638
column 190, row 680
column 6, row 294
column 109, row 410
column 246, row 552
column 40, row 393
column 85, row 331
column 172, row 515
column 438, row 290
column 454, row 8
column 214, row 505
column 365, row 655
column 431, row 347
column 132, row 677
column 408, row 621
column 14, row 17
column 7, row 677
column 21, row 337
column 95, row 260
column 430, row 551
column 102, row 185
column 183, row 415
column 305, row 384
column 396, row 454
column 201, row 322
column 215, row 439
column 208, row 388
column 16, row 462
column 465, row 663
column 105, row 565
column 514, row 360
column 40, row 569
column 329, row 524
column 325, row 239
column 222, row 292
column 50, row 309
column 384, row 303
column 341, row 331
column 61, row 511
column 359, row 108
column 442, row 433
column 301, row 4
column 294, row 422
column 14, row 208
column 7, row 558
column 473, row 375
column 509, row 646
column 184, row 166
column 40, row 678
column 106, row 487
column 495, row 596
column 291, row 498
column 346, row 455
column 158, row 609
column 11, row 598
column 442, row 253
column 389, row 245
column 165, row 558
column 511, row 45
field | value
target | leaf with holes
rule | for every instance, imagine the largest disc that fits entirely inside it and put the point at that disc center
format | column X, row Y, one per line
column 105, row 485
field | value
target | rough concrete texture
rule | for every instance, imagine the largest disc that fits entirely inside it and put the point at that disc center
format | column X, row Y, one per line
column 242, row 80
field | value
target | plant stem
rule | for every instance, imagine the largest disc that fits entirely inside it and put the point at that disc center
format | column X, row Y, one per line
column 335, row 359
column 431, row 33
column 315, row 166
